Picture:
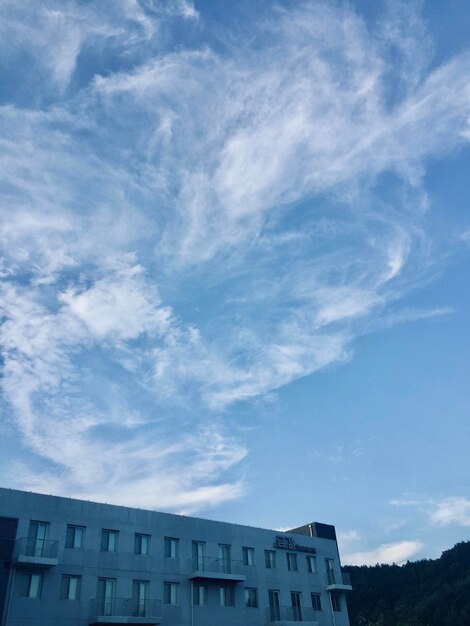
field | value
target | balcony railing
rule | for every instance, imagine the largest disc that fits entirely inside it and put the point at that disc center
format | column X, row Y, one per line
column 222, row 569
column 338, row 580
column 285, row 614
column 144, row 611
column 40, row 552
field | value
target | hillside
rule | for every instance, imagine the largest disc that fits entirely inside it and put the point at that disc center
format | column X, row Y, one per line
column 422, row 593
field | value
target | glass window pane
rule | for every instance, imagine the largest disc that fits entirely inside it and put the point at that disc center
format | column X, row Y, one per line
column 35, row 586
column 78, row 539
column 73, row 588
column 145, row 545
column 248, row 556
column 171, row 547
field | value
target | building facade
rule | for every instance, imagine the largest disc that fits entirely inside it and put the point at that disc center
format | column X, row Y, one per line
column 67, row 562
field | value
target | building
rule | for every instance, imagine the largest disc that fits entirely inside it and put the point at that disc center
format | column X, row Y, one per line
column 67, row 562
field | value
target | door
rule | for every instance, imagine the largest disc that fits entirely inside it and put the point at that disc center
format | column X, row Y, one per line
column 140, row 596
column 106, row 594
column 274, row 605
column 224, row 558
column 296, row 608
column 330, row 571
column 199, row 556
column 38, row 533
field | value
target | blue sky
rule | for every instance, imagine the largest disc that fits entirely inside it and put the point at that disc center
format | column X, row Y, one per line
column 234, row 262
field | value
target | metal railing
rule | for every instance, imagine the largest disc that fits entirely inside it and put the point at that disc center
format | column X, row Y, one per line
column 291, row 614
column 43, row 548
column 215, row 565
column 334, row 577
column 125, row 607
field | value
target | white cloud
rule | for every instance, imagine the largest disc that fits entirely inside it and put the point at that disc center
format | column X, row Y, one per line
column 347, row 539
column 122, row 305
column 452, row 510
column 389, row 553
column 54, row 394
column 175, row 475
column 133, row 192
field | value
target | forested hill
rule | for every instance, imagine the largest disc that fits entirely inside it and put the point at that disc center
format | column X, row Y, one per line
column 423, row 593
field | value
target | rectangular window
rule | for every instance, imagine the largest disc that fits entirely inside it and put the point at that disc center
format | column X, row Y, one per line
column 248, row 556
column 227, row 596
column 296, row 605
column 291, row 562
column 225, row 558
column 274, row 605
column 199, row 594
column 106, row 595
column 251, row 598
column 316, row 601
column 270, row 558
column 199, row 556
column 172, row 548
column 75, row 536
column 311, row 564
column 109, row 540
column 37, row 538
column 141, row 544
column 170, row 593
column 335, row 602
column 70, row 587
column 31, row 585
column 140, row 597
column 330, row 571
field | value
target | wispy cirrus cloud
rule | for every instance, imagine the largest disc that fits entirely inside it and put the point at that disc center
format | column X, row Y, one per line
column 168, row 253
column 451, row 510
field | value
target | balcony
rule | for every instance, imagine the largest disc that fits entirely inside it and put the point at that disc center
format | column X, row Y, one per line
column 35, row 553
column 208, row 568
column 338, row 581
column 125, row 611
column 288, row 616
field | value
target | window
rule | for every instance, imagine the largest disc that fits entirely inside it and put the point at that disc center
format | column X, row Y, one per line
column 227, row 597
column 171, row 593
column 141, row 544
column 70, row 587
column 109, row 540
column 75, row 536
column 199, row 594
column 330, row 571
column 296, row 605
column 37, row 538
column 274, row 605
column 291, row 562
column 335, row 602
column 225, row 558
column 31, row 585
column 248, row 556
column 172, row 548
column 270, row 558
column 251, row 598
column 199, row 556
column 316, row 601
column 106, row 596
column 311, row 564
column 140, row 596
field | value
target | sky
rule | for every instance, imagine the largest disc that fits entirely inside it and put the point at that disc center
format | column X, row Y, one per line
column 234, row 262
